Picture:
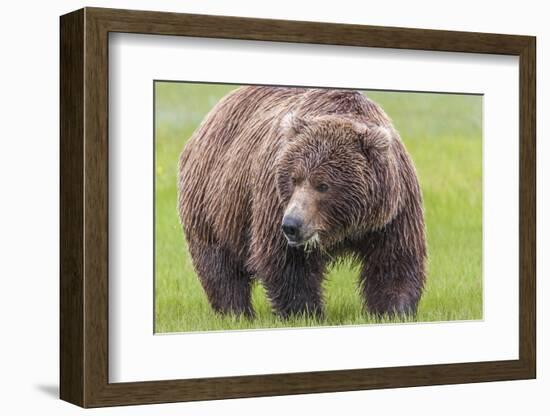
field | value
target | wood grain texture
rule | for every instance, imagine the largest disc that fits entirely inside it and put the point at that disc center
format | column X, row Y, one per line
column 527, row 207
column 84, row 207
column 71, row 213
column 96, row 208
column 226, row 27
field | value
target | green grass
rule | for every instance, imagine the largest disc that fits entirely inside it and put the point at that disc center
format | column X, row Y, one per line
column 443, row 135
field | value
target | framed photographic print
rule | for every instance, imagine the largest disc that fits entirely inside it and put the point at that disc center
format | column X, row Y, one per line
column 256, row 207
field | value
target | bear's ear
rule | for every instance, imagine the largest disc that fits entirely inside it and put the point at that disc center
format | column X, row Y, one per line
column 374, row 138
column 292, row 125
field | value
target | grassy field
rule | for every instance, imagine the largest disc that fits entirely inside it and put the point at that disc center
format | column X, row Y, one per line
column 443, row 134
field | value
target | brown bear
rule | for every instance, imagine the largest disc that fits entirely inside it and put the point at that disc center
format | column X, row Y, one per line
column 277, row 183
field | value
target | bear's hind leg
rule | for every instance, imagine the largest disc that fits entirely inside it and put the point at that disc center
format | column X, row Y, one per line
column 226, row 283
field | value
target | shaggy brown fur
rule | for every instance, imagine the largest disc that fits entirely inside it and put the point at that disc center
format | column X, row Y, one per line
column 329, row 159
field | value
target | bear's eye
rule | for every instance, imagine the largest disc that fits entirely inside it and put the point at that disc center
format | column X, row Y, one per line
column 293, row 180
column 322, row 187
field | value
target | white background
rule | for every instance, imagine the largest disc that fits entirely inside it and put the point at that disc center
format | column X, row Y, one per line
column 135, row 60
column 29, row 218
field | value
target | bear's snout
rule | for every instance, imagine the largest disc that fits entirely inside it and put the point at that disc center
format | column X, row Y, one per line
column 298, row 224
column 292, row 228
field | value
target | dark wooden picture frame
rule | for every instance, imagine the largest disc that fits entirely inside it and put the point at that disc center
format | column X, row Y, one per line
column 84, row 207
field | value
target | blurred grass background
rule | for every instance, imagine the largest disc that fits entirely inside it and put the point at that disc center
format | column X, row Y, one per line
column 443, row 134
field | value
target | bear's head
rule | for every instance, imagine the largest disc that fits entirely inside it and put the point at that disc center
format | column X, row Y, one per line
column 337, row 178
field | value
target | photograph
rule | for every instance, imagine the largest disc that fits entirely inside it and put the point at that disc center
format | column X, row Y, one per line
column 295, row 206
column 267, row 205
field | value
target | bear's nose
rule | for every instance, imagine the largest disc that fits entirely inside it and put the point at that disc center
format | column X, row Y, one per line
column 291, row 227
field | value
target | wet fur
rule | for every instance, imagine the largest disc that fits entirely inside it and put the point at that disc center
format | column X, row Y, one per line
column 234, row 183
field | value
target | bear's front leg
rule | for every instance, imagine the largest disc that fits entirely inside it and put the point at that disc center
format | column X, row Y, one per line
column 293, row 283
column 393, row 273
